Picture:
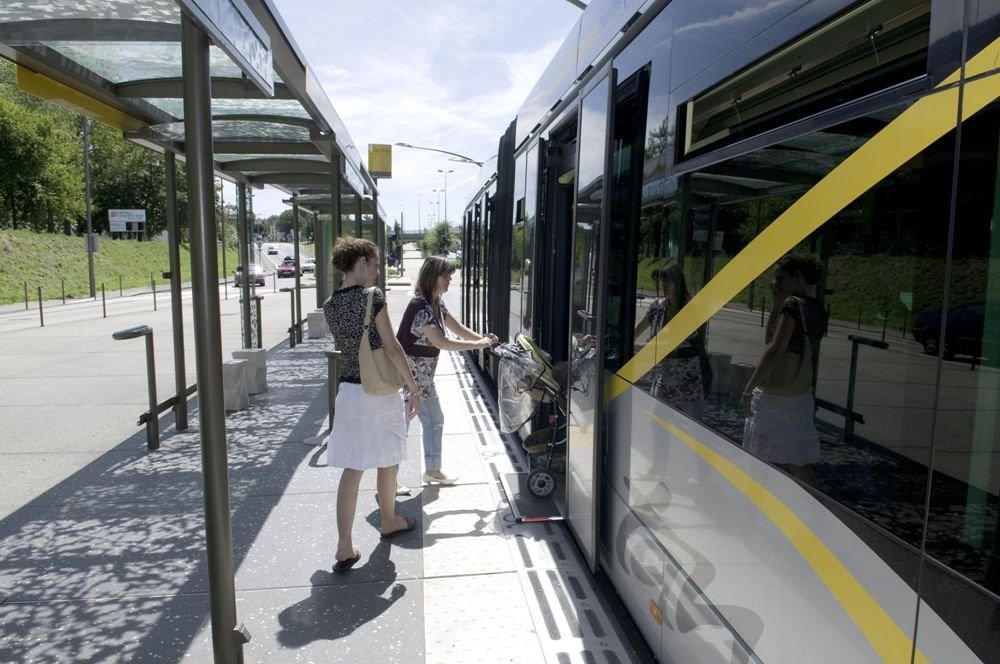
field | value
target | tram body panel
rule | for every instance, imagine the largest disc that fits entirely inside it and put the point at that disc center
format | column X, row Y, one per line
column 726, row 564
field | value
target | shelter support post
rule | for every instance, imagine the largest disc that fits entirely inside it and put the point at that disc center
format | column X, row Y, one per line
column 176, row 307
column 226, row 643
column 248, row 276
column 379, row 231
column 334, row 278
column 297, row 323
column 359, row 230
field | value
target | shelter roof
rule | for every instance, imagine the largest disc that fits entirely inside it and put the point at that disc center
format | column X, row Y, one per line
column 119, row 61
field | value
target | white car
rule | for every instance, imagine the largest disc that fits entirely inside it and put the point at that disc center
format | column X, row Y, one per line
column 308, row 265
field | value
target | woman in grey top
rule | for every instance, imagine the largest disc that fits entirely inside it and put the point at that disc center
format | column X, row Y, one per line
column 422, row 336
column 368, row 431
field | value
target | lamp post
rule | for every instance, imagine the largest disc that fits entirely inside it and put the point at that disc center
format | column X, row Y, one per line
column 438, row 204
column 419, row 222
column 458, row 157
column 450, row 170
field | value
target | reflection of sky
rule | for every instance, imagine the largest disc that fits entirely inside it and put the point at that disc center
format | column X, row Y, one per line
column 166, row 11
column 138, row 61
column 738, row 16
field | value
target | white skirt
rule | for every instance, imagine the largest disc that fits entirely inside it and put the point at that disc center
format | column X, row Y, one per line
column 368, row 431
column 782, row 429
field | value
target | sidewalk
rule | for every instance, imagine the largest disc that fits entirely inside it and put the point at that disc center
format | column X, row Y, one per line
column 109, row 565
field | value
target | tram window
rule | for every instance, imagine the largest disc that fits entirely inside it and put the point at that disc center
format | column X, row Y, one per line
column 963, row 530
column 530, row 204
column 879, row 431
column 875, row 45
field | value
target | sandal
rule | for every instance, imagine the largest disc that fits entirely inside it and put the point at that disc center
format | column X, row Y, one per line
column 411, row 523
column 342, row 566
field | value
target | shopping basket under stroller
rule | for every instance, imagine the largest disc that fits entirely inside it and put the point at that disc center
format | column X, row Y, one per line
column 526, row 379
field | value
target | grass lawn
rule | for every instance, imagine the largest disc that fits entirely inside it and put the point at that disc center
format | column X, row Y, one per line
column 43, row 259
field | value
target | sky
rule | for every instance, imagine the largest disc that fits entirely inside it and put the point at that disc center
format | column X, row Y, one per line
column 446, row 75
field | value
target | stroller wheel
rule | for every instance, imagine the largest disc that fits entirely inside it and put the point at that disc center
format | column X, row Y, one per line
column 541, row 483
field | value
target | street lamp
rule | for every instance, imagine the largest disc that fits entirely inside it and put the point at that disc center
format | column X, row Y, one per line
column 438, row 204
column 450, row 170
column 459, row 157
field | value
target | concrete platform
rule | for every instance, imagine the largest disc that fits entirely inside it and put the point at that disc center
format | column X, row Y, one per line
column 106, row 563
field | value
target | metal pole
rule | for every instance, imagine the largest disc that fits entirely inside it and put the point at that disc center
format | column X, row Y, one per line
column 222, row 225
column 153, row 423
column 851, row 380
column 26, row 307
column 763, row 308
column 359, row 231
column 63, row 290
column 41, row 316
column 176, row 309
column 319, row 242
column 152, row 283
column 260, row 327
column 226, row 642
column 244, row 240
column 297, row 305
column 121, row 290
column 86, row 190
column 379, row 230
column 104, row 301
column 332, row 277
column 291, row 328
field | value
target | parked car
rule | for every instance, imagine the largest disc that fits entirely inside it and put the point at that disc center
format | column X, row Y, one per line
column 963, row 335
column 308, row 265
column 272, row 251
column 286, row 270
column 256, row 273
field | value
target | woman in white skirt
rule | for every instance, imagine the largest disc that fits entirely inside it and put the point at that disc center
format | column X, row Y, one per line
column 368, row 431
column 778, row 399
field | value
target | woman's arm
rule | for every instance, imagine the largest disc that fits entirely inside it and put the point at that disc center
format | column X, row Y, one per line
column 439, row 340
column 457, row 328
column 395, row 354
column 642, row 326
column 778, row 345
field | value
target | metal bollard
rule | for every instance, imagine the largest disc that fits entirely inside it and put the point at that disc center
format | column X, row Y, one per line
column 153, row 423
column 333, row 359
column 291, row 330
column 260, row 322
column 763, row 308
column 64, row 290
column 121, row 291
column 152, row 282
column 41, row 316
column 25, row 295
column 104, row 302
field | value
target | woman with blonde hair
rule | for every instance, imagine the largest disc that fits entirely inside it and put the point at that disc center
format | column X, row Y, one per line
column 369, row 431
column 422, row 336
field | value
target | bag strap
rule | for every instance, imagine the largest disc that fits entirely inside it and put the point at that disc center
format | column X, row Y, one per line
column 368, row 309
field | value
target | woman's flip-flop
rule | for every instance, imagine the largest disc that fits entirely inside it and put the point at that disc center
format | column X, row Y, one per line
column 411, row 523
column 344, row 565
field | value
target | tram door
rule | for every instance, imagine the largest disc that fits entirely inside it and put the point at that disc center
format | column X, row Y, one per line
column 586, row 320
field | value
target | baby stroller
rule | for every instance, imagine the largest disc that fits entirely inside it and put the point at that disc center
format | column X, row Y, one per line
column 526, row 380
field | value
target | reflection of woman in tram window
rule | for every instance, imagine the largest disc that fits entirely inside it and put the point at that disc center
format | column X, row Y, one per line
column 678, row 378
column 778, row 398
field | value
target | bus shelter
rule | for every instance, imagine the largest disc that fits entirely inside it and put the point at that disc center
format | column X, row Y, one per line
column 221, row 85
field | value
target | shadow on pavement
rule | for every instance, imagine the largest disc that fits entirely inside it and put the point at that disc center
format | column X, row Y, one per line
column 110, row 564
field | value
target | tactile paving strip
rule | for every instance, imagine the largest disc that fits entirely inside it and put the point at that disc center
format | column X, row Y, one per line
column 569, row 622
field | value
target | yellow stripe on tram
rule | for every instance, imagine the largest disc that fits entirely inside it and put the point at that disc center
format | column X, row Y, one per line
column 887, row 638
column 914, row 130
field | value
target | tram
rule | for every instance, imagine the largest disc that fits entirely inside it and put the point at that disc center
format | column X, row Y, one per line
column 708, row 139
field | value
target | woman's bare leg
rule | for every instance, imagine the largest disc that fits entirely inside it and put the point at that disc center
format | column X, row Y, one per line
column 347, row 504
column 386, row 483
